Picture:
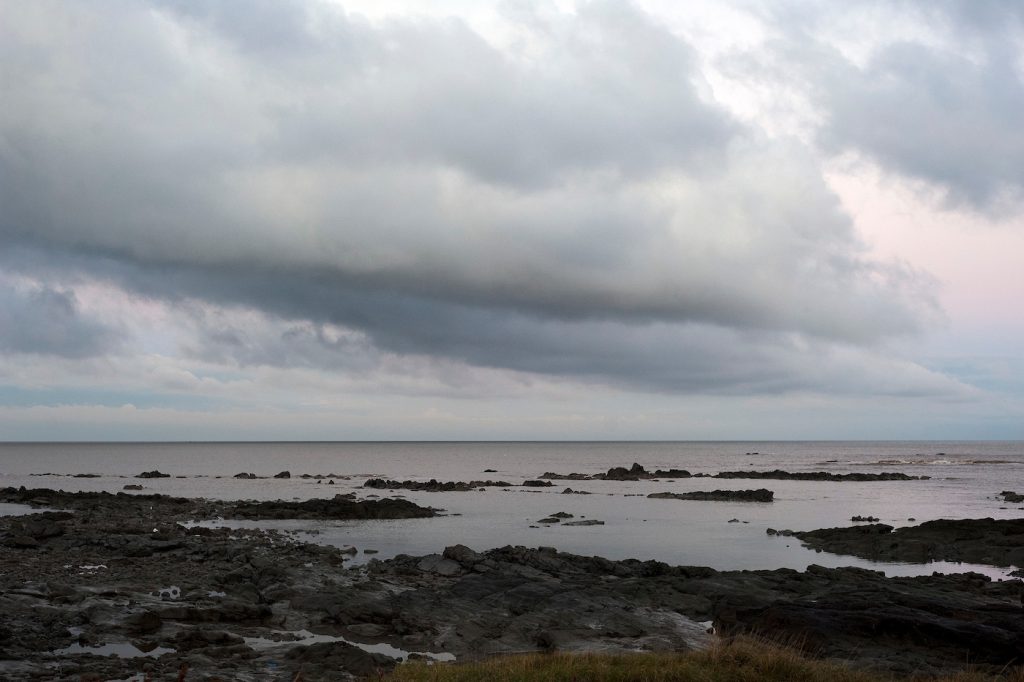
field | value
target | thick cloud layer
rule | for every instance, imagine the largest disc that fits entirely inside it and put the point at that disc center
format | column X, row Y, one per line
column 569, row 201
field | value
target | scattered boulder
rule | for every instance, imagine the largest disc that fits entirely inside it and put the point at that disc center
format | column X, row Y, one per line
column 584, row 522
column 1011, row 496
column 864, row 519
column 153, row 474
column 133, row 486
column 537, row 484
column 244, row 475
column 283, row 474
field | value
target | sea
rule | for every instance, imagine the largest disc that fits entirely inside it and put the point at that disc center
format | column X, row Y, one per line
column 964, row 480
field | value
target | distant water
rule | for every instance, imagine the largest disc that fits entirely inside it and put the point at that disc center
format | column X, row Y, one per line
column 965, row 478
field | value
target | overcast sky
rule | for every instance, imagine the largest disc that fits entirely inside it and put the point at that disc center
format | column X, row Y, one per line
column 318, row 219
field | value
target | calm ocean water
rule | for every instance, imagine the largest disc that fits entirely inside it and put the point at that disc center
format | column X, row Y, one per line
column 965, row 478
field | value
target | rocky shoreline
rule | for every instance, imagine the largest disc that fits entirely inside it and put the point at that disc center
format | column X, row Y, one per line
column 128, row 574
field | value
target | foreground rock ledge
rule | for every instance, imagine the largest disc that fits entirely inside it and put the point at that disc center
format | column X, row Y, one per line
column 234, row 604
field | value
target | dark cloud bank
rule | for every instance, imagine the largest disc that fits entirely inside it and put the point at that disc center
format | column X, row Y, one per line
column 575, row 206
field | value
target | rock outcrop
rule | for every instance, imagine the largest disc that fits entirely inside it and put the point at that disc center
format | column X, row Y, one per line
column 759, row 495
column 980, row 541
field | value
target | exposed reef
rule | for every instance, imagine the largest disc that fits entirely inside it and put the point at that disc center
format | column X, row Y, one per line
column 759, row 495
column 639, row 473
column 433, row 485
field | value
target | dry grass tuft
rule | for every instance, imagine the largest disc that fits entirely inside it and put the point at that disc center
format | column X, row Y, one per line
column 741, row 660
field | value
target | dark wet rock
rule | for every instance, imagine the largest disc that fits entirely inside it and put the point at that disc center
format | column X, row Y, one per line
column 552, row 476
column 759, row 495
column 245, row 475
column 338, row 507
column 671, row 473
column 562, row 515
column 584, row 522
column 153, row 474
column 636, row 472
column 490, row 471
column 462, row 555
column 86, row 476
column 21, row 542
column 436, row 563
column 864, row 519
column 570, row 491
column 903, row 624
column 981, row 541
column 283, row 474
column 200, row 638
column 1011, row 496
column 538, row 484
column 326, row 659
column 784, row 533
column 433, row 485
column 779, row 474
column 133, row 486
column 143, row 623
column 549, row 520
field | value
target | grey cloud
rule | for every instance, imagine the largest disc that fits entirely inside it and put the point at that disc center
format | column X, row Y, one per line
column 280, row 343
column 939, row 99
column 46, row 321
column 656, row 356
column 550, row 211
column 936, row 116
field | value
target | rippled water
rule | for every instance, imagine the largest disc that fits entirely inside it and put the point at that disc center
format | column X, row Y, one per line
column 965, row 479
